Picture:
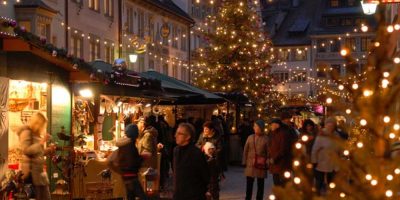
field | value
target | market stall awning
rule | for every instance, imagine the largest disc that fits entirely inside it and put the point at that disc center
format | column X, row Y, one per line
column 184, row 93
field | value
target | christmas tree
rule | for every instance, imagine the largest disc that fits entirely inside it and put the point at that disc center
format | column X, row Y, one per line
column 237, row 55
column 369, row 165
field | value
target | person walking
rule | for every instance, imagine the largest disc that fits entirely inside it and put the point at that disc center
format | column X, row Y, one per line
column 255, row 159
column 210, row 135
column 191, row 174
column 215, row 171
column 323, row 155
column 310, row 130
column 32, row 140
column 129, row 162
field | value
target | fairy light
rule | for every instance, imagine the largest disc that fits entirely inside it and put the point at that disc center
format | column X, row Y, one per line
column 332, row 185
column 304, row 138
column 296, row 163
column 390, row 28
column 392, row 135
column 396, row 60
column 397, row 171
column 355, row 86
column 367, row 93
column 272, row 197
column 363, row 122
column 298, row 145
column 287, row 174
column 343, row 195
column 344, row 52
column 329, row 100
column 389, row 193
column 386, row 119
column 297, row 180
column 368, row 177
column 346, row 152
column 360, row 145
column 396, row 127
column 374, row 182
column 389, row 177
column 364, row 28
column 341, row 87
column 397, row 27
column 385, row 83
column 386, row 74
column 348, row 111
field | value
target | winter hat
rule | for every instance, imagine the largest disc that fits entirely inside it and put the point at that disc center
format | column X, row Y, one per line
column 260, row 123
column 208, row 146
column 132, row 131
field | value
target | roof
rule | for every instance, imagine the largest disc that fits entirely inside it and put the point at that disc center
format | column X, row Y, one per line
column 171, row 7
column 292, row 25
column 34, row 4
column 194, row 94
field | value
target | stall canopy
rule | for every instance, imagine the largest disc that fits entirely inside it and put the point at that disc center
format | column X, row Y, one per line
column 184, row 93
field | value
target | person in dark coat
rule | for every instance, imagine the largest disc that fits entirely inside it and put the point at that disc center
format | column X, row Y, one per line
column 210, row 135
column 215, row 171
column 279, row 152
column 310, row 130
column 129, row 162
column 191, row 174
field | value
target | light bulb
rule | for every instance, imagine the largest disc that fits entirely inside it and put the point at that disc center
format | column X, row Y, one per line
column 332, row 185
column 296, row 163
column 386, row 119
column 397, row 171
column 377, row 44
column 386, row 74
column 343, row 195
column 355, row 86
column 348, row 111
column 397, row 27
column 396, row 127
column 360, row 145
column 374, row 182
column 297, row 180
column 389, row 193
column 396, row 60
column 341, row 87
column 346, row 152
column 392, row 135
column 344, row 52
column 298, row 145
column 368, row 177
column 364, row 28
column 385, row 83
column 390, row 29
column 367, row 93
column 329, row 100
column 304, row 138
column 287, row 174
column 363, row 122
column 389, row 177
column 272, row 197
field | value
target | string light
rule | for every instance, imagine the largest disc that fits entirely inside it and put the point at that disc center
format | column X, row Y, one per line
column 367, row 93
column 386, row 119
column 363, row 122
column 297, row 180
column 374, row 182
column 368, row 177
column 396, row 127
column 389, row 193
column 360, row 145
column 389, row 177
column 348, row 111
column 392, row 135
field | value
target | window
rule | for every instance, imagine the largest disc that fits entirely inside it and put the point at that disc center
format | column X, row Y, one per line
column 335, row 46
column 334, row 3
column 43, row 30
column 365, row 43
column 151, row 27
column 94, row 47
column 183, row 40
column 129, row 20
column 283, row 55
column 94, row 4
column 151, row 64
column 347, row 21
column 281, row 76
column 141, row 24
column 174, row 36
column 141, row 63
column 321, row 46
column 26, row 24
column 321, row 74
column 299, row 77
column 165, row 41
column 76, row 46
column 184, row 74
column 300, row 55
column 175, row 71
column 158, row 34
column 332, row 21
column 109, row 53
column 165, row 69
column 108, row 8
column 336, row 69
column 351, row 44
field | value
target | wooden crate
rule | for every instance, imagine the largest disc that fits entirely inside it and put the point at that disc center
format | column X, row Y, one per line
column 99, row 190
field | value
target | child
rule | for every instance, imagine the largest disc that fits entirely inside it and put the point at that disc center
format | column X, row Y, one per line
column 213, row 187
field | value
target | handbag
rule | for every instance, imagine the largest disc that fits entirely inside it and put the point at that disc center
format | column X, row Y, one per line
column 260, row 162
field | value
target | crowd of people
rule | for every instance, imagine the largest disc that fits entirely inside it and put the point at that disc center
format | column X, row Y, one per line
column 196, row 153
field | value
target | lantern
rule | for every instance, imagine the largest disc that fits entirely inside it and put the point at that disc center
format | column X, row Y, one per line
column 150, row 178
column 369, row 6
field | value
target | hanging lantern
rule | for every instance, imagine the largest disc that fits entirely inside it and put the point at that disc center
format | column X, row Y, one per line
column 369, row 6
column 150, row 186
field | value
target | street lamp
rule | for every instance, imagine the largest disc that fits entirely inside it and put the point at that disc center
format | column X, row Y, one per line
column 133, row 58
column 369, row 6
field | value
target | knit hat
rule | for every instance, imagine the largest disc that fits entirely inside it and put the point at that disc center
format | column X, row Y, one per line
column 208, row 146
column 132, row 131
column 260, row 123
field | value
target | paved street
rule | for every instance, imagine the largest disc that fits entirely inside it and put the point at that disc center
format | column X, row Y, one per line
column 234, row 186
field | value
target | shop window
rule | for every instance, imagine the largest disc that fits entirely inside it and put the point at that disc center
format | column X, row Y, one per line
column 165, row 69
column 24, row 99
column 332, row 21
column 76, row 46
column 108, row 8
column 130, row 20
column 94, row 4
column 43, row 30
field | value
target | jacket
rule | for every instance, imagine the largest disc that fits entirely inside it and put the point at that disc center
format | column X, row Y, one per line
column 191, row 174
column 261, row 148
column 324, row 152
column 33, row 152
column 129, row 160
column 147, row 141
column 279, row 149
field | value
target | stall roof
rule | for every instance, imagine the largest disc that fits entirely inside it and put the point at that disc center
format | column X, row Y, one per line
column 193, row 95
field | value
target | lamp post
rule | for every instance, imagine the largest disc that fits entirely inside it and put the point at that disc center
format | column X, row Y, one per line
column 369, row 6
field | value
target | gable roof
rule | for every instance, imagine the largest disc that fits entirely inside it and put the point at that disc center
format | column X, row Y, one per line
column 172, row 8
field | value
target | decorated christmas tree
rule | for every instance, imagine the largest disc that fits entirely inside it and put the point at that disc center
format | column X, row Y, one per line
column 237, row 55
column 368, row 163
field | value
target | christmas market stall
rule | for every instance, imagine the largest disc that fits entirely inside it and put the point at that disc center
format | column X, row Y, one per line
column 101, row 110
column 34, row 77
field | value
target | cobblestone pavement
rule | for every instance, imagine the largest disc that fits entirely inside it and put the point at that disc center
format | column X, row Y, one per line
column 234, row 186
